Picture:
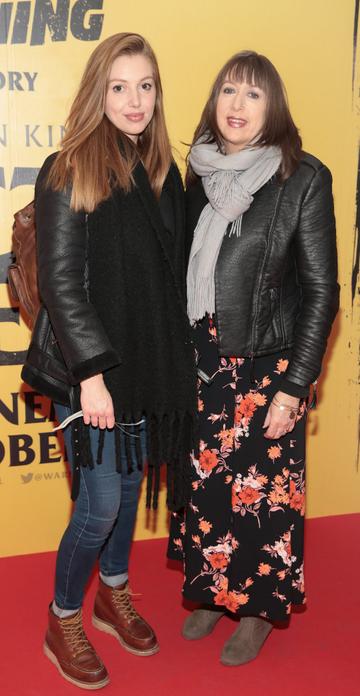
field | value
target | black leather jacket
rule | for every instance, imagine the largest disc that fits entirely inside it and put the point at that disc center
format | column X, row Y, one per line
column 276, row 285
column 63, row 274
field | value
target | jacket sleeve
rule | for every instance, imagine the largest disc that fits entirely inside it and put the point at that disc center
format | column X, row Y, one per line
column 61, row 255
column 316, row 264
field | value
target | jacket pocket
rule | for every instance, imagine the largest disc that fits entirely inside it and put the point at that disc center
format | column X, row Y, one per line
column 44, row 369
column 275, row 313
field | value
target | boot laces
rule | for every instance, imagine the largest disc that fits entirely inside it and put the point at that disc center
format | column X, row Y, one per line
column 122, row 601
column 74, row 634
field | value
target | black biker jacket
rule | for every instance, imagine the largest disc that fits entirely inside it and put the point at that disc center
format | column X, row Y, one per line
column 276, row 285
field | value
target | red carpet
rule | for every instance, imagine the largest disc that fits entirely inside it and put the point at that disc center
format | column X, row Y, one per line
column 318, row 655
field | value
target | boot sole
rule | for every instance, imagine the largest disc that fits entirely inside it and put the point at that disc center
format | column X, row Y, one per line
column 83, row 685
column 108, row 628
column 228, row 662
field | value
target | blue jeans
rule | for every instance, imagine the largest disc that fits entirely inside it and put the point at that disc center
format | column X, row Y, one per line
column 103, row 519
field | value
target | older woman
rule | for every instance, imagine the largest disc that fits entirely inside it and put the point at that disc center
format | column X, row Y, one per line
column 262, row 295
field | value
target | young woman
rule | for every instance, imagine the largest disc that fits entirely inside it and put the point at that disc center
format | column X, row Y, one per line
column 112, row 337
column 262, row 295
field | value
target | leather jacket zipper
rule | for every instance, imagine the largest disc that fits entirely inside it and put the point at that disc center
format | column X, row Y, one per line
column 252, row 352
column 275, row 295
column 282, row 325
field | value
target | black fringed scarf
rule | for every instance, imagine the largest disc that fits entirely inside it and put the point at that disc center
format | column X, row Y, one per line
column 136, row 283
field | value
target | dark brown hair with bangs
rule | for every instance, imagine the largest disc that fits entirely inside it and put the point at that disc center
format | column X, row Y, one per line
column 279, row 127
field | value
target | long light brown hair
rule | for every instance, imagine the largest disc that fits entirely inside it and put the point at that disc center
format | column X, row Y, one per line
column 279, row 127
column 94, row 154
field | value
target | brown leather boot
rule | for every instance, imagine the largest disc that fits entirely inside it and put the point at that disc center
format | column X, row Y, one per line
column 200, row 623
column 114, row 614
column 246, row 641
column 68, row 648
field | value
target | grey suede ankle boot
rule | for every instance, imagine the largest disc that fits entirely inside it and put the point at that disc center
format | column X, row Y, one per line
column 246, row 642
column 200, row 623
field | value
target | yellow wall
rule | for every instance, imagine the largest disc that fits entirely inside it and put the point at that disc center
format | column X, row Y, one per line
column 311, row 43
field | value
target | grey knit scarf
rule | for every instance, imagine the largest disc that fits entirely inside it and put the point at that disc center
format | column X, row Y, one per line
column 229, row 183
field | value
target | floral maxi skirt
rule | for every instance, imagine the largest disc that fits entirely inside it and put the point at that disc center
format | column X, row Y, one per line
column 241, row 535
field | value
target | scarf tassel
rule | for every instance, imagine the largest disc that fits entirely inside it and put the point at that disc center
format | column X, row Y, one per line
column 177, row 436
column 235, row 228
column 169, row 439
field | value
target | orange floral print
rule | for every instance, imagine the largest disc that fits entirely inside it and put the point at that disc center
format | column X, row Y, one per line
column 278, row 496
column 218, row 560
column 282, row 548
column 234, row 498
column 264, row 569
column 226, row 437
column 258, row 399
column 248, row 492
column 274, row 452
column 297, row 502
column 204, row 526
column 237, row 476
column 248, row 496
column 222, row 582
column 237, row 416
column 220, row 598
column 282, row 365
column 246, row 409
column 243, row 598
column 292, row 488
column 231, row 600
column 208, row 460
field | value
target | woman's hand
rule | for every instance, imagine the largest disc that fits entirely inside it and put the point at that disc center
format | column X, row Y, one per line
column 96, row 403
column 278, row 422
